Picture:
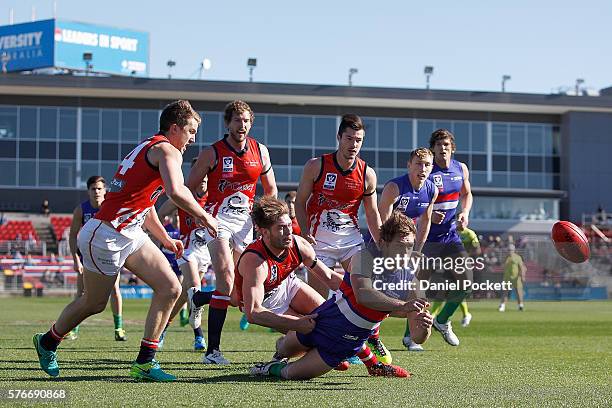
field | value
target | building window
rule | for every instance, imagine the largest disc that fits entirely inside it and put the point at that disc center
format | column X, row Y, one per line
column 301, row 131
column 48, row 123
column 8, row 172
column 278, row 131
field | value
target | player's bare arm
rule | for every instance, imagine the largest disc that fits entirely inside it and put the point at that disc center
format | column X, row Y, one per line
column 424, row 224
column 254, row 272
column 169, row 160
column 466, row 198
column 387, row 199
column 75, row 226
column 330, row 277
column 311, row 171
column 366, row 295
column 155, row 227
column 369, row 204
column 268, row 181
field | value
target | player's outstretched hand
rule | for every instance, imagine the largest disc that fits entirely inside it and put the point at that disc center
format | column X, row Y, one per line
column 437, row 217
column 210, row 224
column 306, row 324
column 174, row 245
column 424, row 319
column 463, row 219
column 310, row 239
column 416, row 305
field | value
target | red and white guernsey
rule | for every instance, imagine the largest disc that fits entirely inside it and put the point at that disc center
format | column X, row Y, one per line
column 133, row 191
column 233, row 179
column 186, row 221
column 279, row 268
column 333, row 205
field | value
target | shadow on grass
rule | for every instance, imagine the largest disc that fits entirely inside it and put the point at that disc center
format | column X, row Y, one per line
column 284, row 384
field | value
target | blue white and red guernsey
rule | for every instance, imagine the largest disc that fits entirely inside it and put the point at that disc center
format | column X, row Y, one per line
column 87, row 211
column 342, row 326
column 449, row 182
column 411, row 202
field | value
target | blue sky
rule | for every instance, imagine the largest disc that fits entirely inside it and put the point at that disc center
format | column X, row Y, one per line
column 542, row 44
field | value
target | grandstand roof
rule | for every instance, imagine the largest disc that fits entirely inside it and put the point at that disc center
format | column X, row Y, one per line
column 298, row 94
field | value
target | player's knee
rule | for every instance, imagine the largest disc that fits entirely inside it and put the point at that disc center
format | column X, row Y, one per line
column 174, row 291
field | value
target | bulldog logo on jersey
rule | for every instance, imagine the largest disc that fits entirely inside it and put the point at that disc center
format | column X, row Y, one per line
column 273, row 273
column 330, row 181
column 403, row 203
column 437, row 179
column 228, row 164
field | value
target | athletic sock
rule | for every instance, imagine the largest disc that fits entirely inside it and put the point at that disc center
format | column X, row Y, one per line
column 367, row 357
column 118, row 321
column 76, row 329
column 198, row 332
column 148, row 348
column 407, row 330
column 202, row 298
column 455, row 298
column 183, row 314
column 464, row 308
column 436, row 306
column 277, row 368
column 51, row 339
column 216, row 319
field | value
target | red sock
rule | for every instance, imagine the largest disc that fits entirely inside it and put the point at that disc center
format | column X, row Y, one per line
column 367, row 357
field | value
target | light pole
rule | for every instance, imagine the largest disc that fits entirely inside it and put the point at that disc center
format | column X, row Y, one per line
column 352, row 71
column 87, row 58
column 505, row 78
column 428, row 71
column 251, row 63
column 170, row 64
column 204, row 66
column 579, row 82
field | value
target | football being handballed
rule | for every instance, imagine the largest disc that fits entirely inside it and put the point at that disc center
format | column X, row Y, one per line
column 570, row 242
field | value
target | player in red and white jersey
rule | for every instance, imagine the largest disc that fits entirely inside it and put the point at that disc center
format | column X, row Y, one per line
column 269, row 292
column 115, row 238
column 329, row 195
column 233, row 166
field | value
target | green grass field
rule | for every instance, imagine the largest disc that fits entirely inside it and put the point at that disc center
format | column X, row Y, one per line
column 550, row 355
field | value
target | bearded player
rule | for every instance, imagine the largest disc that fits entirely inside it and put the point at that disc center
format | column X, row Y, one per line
column 233, row 166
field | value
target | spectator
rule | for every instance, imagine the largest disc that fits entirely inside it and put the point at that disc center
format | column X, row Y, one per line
column 44, row 208
column 47, row 277
column 52, row 258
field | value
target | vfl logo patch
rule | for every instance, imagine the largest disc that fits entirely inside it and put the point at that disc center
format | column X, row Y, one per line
column 228, row 164
column 403, row 203
column 330, row 181
column 273, row 273
column 437, row 179
column 116, row 185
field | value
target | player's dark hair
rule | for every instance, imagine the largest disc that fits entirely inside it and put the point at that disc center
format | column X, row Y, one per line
column 350, row 120
column 442, row 134
column 291, row 194
column 237, row 107
column 94, row 179
column 397, row 223
column 267, row 211
column 178, row 113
